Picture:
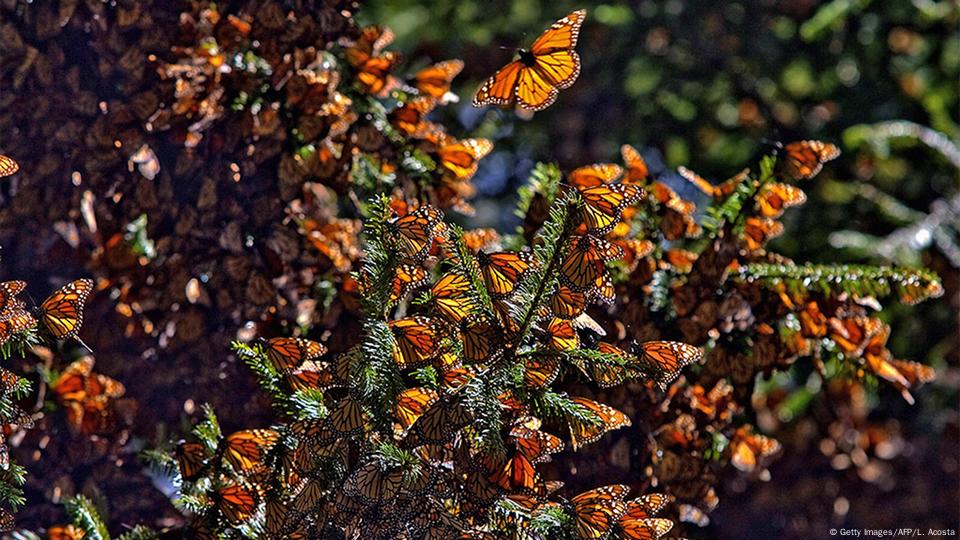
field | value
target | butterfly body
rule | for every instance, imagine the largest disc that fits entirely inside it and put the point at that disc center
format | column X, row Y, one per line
column 534, row 80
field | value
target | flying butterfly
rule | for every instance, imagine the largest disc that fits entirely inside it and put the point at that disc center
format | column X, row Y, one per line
column 414, row 233
column 434, row 81
column 415, row 340
column 536, row 78
column 596, row 511
column 747, row 448
column 802, row 160
column 583, row 432
column 719, row 191
column 503, row 271
column 8, row 166
column 62, row 311
column 287, row 354
column 664, row 359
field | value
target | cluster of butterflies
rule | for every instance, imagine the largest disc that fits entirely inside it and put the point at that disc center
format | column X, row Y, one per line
column 61, row 312
column 471, row 323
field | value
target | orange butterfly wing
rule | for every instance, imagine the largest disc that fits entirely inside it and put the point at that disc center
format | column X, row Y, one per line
column 8, row 166
column 434, row 81
column 62, row 311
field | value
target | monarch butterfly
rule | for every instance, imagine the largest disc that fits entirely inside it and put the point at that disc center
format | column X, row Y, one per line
column 373, row 65
column 8, row 297
column 567, row 303
column 450, row 296
column 595, row 511
column 677, row 214
column 665, row 359
column 79, row 383
column 236, row 502
column 583, row 432
column 646, row 506
column 8, row 166
column 65, row 532
column 914, row 292
column 747, row 447
column 561, row 335
column 681, row 259
column 347, row 419
column 191, row 459
column 434, row 81
column 372, row 484
column 511, row 472
column 540, row 370
column 503, row 271
column 774, row 198
column 441, row 422
column 594, row 175
column 7, row 522
column 312, row 375
column 62, row 311
column 536, row 445
column 534, row 80
column 759, row 231
column 637, row 170
column 803, row 160
column 642, row 528
column 15, row 322
column 478, row 340
column 608, row 373
column 461, row 157
column 409, row 277
column 414, row 232
column 719, row 191
column 412, row 403
column 410, row 117
column 415, row 341
column 245, row 449
column 603, row 204
column 585, row 263
column 286, row 354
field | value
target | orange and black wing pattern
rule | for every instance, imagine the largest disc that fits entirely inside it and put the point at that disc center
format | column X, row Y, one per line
column 503, row 271
column 536, row 78
column 596, row 511
column 802, row 160
column 8, row 166
column 62, row 311
column 606, row 418
column 434, row 81
column 287, row 354
column 414, row 233
column 664, row 359
column 415, row 341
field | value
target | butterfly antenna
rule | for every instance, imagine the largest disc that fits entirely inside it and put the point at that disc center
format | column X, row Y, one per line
column 85, row 346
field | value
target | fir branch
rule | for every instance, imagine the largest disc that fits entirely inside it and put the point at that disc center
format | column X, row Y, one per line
column 139, row 532
column 552, row 237
column 379, row 262
column 544, row 181
column 465, row 264
column 83, row 514
column 378, row 376
column 559, row 406
column 912, row 284
column 208, row 430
